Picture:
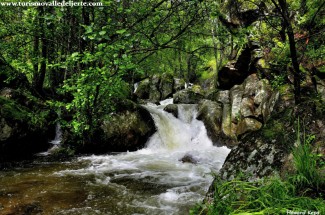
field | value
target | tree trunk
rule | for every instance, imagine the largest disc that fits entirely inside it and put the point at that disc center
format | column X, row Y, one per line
column 39, row 76
column 283, row 9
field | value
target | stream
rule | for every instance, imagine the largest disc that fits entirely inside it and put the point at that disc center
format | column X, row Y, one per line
column 153, row 180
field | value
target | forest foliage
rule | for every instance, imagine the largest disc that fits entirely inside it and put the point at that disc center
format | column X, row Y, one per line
column 85, row 59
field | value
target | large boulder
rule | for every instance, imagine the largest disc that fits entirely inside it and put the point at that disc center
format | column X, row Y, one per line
column 166, row 86
column 268, row 150
column 128, row 130
column 210, row 113
column 242, row 109
column 172, row 108
column 179, row 84
column 143, row 89
column 187, row 96
column 154, row 93
column 26, row 126
column 158, row 87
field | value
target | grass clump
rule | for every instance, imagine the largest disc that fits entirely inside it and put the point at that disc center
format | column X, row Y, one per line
column 308, row 177
column 301, row 191
column 266, row 196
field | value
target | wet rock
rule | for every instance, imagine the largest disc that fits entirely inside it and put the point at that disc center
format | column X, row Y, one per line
column 211, row 114
column 166, row 86
column 242, row 109
column 172, row 108
column 143, row 89
column 125, row 131
column 188, row 158
column 268, row 150
column 158, row 87
column 24, row 130
column 179, row 84
column 248, row 125
column 321, row 88
column 187, row 96
column 223, row 97
column 228, row 127
column 236, row 96
column 154, row 94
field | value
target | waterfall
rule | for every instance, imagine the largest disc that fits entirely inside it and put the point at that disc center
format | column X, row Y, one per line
column 58, row 135
column 135, row 86
column 55, row 142
column 184, row 132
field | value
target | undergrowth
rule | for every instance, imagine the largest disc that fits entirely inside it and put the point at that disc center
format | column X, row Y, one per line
column 267, row 196
column 301, row 191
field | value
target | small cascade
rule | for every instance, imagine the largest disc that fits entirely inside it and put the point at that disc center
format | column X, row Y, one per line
column 135, row 86
column 58, row 135
column 55, row 142
column 175, row 133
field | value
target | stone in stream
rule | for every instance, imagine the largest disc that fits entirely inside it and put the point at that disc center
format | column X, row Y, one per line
column 125, row 131
column 188, row 158
column 187, row 96
column 172, row 108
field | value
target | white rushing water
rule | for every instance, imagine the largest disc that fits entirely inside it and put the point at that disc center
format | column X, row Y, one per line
column 155, row 179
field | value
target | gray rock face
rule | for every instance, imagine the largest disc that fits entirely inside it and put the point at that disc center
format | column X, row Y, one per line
column 166, row 86
column 158, row 87
column 154, row 94
column 187, row 96
column 242, row 109
column 268, row 150
column 255, row 157
column 211, row 114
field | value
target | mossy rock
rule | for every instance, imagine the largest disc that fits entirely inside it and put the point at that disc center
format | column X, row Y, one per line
column 24, row 131
column 11, row 110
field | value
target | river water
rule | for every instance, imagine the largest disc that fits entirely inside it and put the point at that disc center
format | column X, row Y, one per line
column 151, row 181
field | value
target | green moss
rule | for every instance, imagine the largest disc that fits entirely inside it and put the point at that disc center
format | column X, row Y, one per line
column 12, row 110
column 263, row 63
column 15, row 112
column 207, row 75
column 273, row 130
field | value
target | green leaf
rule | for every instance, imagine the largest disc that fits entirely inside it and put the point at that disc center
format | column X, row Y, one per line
column 101, row 33
column 121, row 31
column 75, row 54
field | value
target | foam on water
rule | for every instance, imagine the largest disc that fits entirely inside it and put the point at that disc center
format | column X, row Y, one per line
column 165, row 184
